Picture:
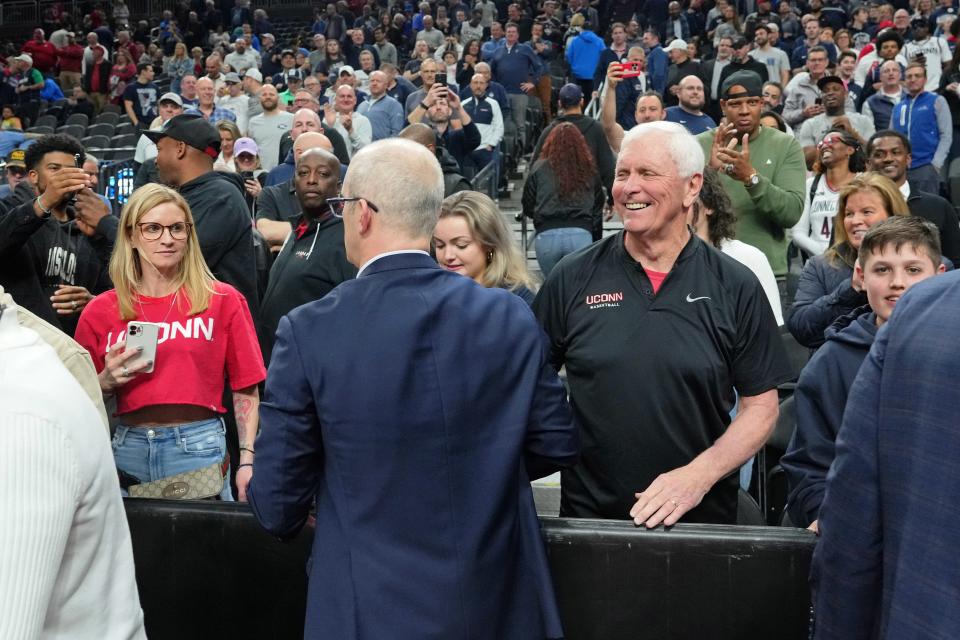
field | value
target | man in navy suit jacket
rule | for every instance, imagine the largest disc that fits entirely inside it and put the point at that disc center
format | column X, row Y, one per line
column 886, row 565
column 414, row 406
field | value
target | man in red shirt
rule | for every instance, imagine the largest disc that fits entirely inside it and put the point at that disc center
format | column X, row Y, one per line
column 70, row 59
column 44, row 54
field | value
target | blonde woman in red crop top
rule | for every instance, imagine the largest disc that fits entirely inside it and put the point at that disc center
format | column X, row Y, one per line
column 170, row 418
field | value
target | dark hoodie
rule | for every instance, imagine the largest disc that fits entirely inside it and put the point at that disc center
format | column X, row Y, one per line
column 225, row 230
column 453, row 180
column 37, row 255
column 821, row 397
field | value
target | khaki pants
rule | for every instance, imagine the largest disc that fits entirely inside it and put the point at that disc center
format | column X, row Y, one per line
column 98, row 100
column 544, row 92
column 69, row 80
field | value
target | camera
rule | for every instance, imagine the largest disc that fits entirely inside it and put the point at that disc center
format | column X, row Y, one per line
column 134, row 330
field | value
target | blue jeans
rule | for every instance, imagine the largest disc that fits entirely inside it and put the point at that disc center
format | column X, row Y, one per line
column 153, row 453
column 553, row 244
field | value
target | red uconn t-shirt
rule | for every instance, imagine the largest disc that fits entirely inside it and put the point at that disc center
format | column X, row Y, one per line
column 193, row 352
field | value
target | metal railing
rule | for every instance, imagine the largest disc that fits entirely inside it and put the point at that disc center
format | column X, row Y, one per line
column 486, row 180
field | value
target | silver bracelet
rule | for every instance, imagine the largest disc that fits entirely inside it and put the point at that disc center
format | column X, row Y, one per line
column 46, row 212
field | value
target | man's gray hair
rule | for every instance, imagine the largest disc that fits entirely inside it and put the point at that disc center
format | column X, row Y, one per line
column 683, row 148
column 403, row 179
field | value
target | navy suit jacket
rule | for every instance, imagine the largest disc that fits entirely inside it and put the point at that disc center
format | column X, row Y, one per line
column 415, row 406
column 886, row 565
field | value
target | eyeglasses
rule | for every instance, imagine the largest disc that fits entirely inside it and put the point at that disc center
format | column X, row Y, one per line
column 17, row 171
column 829, row 141
column 154, row 230
column 338, row 204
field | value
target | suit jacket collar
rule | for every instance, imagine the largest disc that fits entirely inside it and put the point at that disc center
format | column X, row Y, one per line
column 397, row 261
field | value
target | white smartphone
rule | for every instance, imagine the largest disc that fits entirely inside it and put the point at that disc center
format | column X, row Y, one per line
column 143, row 334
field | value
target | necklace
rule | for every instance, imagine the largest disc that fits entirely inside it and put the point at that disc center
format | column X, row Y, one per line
column 143, row 312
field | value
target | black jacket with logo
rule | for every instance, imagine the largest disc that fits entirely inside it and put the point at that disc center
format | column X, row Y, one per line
column 38, row 255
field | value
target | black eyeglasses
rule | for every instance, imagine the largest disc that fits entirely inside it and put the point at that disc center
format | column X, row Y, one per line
column 338, row 204
column 154, row 230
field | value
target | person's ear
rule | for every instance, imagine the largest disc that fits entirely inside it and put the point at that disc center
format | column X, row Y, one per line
column 942, row 268
column 33, row 177
column 859, row 271
column 364, row 218
column 692, row 191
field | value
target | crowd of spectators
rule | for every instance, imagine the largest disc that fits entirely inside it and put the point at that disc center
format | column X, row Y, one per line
column 820, row 123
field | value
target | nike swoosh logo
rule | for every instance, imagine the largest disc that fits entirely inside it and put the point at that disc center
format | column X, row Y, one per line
column 689, row 299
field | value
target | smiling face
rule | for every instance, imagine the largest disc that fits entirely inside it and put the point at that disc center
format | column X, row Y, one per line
column 834, row 95
column 888, row 155
column 649, row 108
column 833, row 151
column 889, row 273
column 346, row 99
column 864, row 209
column 648, row 194
column 457, row 249
column 164, row 253
column 691, row 93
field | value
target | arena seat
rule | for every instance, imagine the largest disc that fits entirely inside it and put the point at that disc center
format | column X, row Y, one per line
column 78, row 119
column 101, row 129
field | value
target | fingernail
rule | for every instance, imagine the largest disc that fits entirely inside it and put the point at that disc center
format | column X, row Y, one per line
column 139, row 349
column 149, row 363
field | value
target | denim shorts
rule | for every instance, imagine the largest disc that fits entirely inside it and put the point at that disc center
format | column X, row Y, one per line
column 152, row 453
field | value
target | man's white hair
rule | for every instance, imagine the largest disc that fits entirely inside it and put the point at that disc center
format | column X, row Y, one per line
column 403, row 179
column 683, row 148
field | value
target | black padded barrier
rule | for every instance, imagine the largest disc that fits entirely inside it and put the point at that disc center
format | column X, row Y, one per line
column 206, row 569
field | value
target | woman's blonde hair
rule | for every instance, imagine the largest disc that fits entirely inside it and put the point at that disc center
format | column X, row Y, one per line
column 193, row 276
column 506, row 265
column 893, row 203
column 176, row 50
column 229, row 127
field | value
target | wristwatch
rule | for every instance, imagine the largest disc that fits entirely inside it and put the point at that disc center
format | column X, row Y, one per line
column 425, row 106
column 753, row 180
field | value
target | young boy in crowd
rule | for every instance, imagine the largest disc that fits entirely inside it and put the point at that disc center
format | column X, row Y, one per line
column 894, row 255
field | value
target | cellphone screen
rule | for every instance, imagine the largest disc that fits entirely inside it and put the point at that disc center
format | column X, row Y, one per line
column 441, row 79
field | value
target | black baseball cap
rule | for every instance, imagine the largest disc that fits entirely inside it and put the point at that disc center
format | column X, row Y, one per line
column 825, row 80
column 191, row 129
column 749, row 80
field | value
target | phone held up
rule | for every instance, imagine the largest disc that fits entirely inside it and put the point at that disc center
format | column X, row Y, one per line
column 145, row 335
column 441, row 79
column 630, row 69
column 78, row 163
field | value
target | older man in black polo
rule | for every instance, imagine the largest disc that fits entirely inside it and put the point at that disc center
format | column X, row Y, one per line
column 656, row 329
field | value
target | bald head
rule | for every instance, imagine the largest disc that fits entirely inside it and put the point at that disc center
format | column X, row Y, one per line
column 318, row 151
column 304, row 120
column 403, row 180
column 691, row 95
column 205, row 91
column 421, row 134
column 310, row 140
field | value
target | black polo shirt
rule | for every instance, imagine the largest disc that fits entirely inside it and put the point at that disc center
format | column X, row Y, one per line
column 652, row 376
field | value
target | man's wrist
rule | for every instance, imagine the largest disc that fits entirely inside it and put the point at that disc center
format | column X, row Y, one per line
column 44, row 210
column 752, row 180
